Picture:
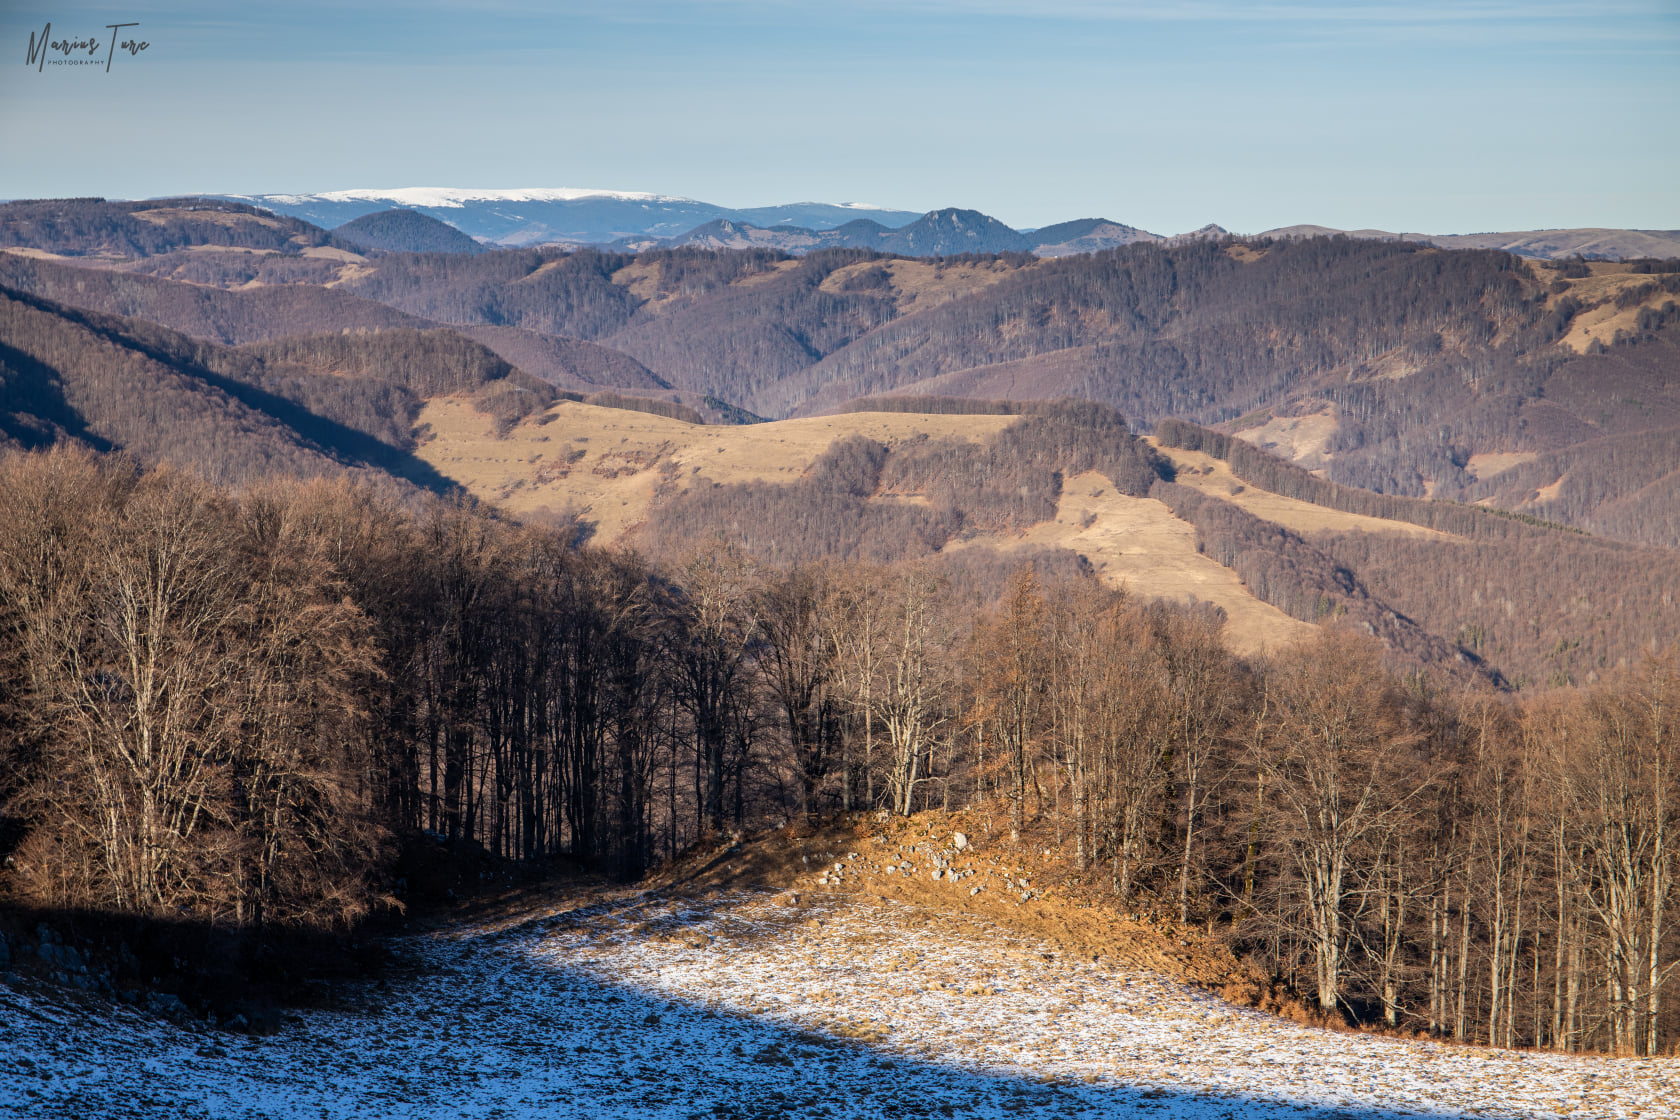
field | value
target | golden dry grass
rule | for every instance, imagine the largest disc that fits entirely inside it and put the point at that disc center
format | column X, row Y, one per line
column 1137, row 543
column 1213, row 476
column 1490, row 464
column 1300, row 439
column 1602, row 318
column 923, row 284
column 630, row 458
column 612, row 465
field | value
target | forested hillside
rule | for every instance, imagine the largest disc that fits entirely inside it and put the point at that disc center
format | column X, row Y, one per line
column 405, row 231
column 307, row 406
column 1391, row 366
column 227, row 317
column 343, row 671
column 94, row 226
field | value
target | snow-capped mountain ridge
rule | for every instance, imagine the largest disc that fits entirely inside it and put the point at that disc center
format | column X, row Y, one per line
column 460, row 196
column 574, row 215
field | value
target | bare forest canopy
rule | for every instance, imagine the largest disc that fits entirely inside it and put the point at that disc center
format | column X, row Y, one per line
column 97, row 227
column 233, row 705
column 319, row 378
column 405, row 231
column 1558, row 609
column 1543, row 387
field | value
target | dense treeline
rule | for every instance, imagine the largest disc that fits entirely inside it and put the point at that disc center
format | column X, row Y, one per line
column 861, row 500
column 1280, row 568
column 937, row 406
column 1242, row 335
column 538, row 289
column 237, row 269
column 1269, row 472
column 1547, row 612
column 743, row 340
column 231, row 706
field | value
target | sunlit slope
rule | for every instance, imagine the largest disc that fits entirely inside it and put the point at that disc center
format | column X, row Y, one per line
column 612, row 465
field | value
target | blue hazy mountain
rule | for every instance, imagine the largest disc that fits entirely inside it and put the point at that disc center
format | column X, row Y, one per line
column 564, row 214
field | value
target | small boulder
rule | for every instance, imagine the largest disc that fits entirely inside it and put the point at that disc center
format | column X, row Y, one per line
column 959, row 841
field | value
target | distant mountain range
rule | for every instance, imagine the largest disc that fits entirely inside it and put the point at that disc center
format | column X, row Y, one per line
column 634, row 221
column 561, row 214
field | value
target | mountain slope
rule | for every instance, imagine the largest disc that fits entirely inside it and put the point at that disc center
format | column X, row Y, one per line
column 301, row 406
column 86, row 378
column 228, row 317
column 94, row 226
column 1275, row 548
column 405, row 231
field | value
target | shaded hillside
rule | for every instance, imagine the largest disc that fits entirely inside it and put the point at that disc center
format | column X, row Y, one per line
column 567, row 362
column 305, row 406
column 405, row 231
column 738, row 341
column 73, row 376
column 226, row 317
column 1200, row 330
column 89, row 226
column 541, row 290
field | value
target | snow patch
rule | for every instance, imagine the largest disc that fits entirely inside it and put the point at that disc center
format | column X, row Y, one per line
column 631, row 1004
column 460, row 196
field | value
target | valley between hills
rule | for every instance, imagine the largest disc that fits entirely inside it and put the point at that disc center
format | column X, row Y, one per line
column 1210, row 676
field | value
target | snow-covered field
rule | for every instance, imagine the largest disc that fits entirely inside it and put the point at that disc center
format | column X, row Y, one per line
column 741, row 1004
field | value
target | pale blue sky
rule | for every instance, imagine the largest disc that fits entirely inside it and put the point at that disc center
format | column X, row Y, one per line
column 1437, row 117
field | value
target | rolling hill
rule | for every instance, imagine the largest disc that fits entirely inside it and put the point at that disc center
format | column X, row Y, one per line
column 1275, row 548
column 1390, row 365
column 405, row 231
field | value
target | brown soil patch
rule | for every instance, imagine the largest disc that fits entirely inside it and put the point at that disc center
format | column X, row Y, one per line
column 1028, row 888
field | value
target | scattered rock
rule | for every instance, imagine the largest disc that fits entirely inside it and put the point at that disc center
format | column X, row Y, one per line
column 959, row 841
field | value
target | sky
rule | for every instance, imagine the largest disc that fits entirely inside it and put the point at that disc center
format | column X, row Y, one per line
column 1436, row 117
